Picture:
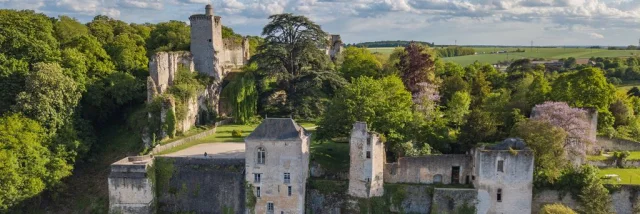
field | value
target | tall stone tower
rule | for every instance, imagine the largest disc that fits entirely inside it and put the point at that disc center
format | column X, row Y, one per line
column 206, row 43
column 367, row 163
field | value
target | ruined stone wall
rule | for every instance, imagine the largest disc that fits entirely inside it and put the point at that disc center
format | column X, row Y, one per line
column 625, row 200
column 613, row 144
column 453, row 201
column 366, row 163
column 235, row 55
column 200, row 185
column 281, row 157
column 424, row 169
column 131, row 186
column 163, row 67
column 515, row 181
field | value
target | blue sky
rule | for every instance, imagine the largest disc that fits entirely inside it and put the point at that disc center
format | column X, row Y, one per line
column 485, row 22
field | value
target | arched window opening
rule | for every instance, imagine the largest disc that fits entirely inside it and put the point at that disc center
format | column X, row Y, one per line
column 261, row 155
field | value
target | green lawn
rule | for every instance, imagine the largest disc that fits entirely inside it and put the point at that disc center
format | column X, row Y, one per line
column 485, row 56
column 635, row 155
column 193, row 131
column 627, row 85
column 332, row 156
column 627, row 176
column 223, row 134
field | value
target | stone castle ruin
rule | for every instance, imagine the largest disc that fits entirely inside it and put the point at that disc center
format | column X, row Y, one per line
column 335, row 47
column 210, row 55
column 271, row 177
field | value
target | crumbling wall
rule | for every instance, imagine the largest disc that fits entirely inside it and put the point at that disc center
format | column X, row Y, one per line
column 624, row 200
column 454, row 201
column 235, row 54
column 200, row 185
column 164, row 66
column 424, row 169
column 613, row 144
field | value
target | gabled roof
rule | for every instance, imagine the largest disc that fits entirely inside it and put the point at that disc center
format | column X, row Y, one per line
column 277, row 129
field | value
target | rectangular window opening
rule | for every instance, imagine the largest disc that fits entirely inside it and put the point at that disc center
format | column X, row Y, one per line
column 499, row 195
column 501, row 166
column 270, row 207
column 287, row 177
column 368, row 154
column 258, row 192
column 289, row 190
column 257, row 177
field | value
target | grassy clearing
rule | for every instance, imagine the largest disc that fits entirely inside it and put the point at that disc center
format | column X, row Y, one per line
column 627, row 176
column 485, row 54
column 634, row 155
column 627, row 85
column 193, row 131
column 223, row 135
column 332, row 156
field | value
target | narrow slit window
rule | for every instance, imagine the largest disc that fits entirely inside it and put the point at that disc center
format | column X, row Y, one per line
column 289, row 190
column 261, row 155
column 499, row 195
column 258, row 192
column 501, row 166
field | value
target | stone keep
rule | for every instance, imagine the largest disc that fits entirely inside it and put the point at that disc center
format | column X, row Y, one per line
column 366, row 164
column 277, row 166
column 130, row 186
column 206, row 42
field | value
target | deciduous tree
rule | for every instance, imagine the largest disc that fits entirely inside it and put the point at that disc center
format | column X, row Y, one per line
column 359, row 62
column 572, row 120
column 23, row 159
column 416, row 65
column 547, row 142
column 384, row 104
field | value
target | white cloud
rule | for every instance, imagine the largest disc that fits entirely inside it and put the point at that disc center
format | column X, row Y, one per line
column 144, row 4
column 596, row 36
column 553, row 21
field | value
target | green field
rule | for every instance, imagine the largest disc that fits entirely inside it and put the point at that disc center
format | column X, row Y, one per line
column 627, row 176
column 485, row 56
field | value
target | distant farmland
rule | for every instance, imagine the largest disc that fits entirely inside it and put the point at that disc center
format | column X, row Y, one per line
column 485, row 54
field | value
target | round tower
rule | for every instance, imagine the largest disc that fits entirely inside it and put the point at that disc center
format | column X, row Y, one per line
column 208, row 10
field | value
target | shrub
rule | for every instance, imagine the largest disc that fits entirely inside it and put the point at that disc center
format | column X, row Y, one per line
column 556, row 209
column 236, row 133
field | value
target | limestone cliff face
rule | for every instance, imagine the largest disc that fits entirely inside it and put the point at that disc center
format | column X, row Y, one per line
column 163, row 68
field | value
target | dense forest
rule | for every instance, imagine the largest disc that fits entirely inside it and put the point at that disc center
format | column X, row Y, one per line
column 63, row 81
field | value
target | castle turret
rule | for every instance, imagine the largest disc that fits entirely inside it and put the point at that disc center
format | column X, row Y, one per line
column 206, row 43
column 209, row 10
column 367, row 162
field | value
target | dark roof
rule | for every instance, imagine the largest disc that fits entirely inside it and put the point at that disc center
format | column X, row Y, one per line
column 513, row 143
column 277, row 129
